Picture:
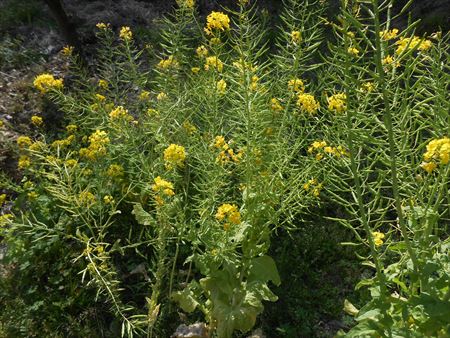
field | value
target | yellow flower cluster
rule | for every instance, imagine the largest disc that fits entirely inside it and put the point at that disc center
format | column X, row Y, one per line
column 202, row 51
column 86, row 198
column 438, row 151
column 161, row 96
column 227, row 154
column 120, row 113
column 71, row 163
column 213, row 62
column 163, row 187
column 125, row 33
column 243, row 66
column 102, row 25
column 275, row 105
column 367, row 87
column 97, row 145
column 186, row 3
column 378, row 238
column 144, row 95
column 24, row 162
column 189, row 127
column 37, row 120
column 5, row 219
column 67, row 50
column 389, row 34
column 46, row 82
column 115, row 171
column 338, row 102
column 307, row 103
column 221, row 86
column 229, row 214
column 23, row 141
column 169, row 63
column 313, row 186
column 352, row 50
column 174, row 156
column 296, row 85
column 319, row 148
column 64, row 142
column 296, row 37
column 103, row 84
column 217, row 21
column 108, row 199
column 254, row 82
column 412, row 43
column 71, row 128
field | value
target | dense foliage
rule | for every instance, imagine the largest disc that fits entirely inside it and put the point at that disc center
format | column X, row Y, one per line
column 167, row 189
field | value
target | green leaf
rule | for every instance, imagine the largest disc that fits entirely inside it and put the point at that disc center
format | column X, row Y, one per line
column 186, row 300
column 142, row 216
column 264, row 269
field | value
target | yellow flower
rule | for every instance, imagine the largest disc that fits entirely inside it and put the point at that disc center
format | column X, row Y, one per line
column 389, row 60
column 2, row 199
column 37, row 120
column 144, row 95
column 352, row 50
column 219, row 142
column 5, row 219
column 254, row 83
column 412, row 43
column 389, row 34
column 215, row 41
column 2, row 124
column 71, row 128
column 428, row 166
column 296, row 37
column 24, row 162
column 71, row 163
column 103, row 84
column 152, row 112
column 189, row 127
column 367, row 87
column 86, row 198
column 228, row 213
column 102, row 25
column 217, row 21
column 438, row 150
column 174, row 156
column 32, row 195
column 221, row 86
column 23, row 141
column 120, row 113
column 100, row 97
column 161, row 96
column 125, row 33
column 67, row 50
column 275, row 105
column 213, row 62
column 162, row 187
column 46, row 82
column 338, row 102
column 296, row 85
column 378, row 238
column 186, row 3
column 97, row 145
column 108, row 199
column 202, row 51
column 168, row 63
column 307, row 103
column 115, row 171
column 195, row 70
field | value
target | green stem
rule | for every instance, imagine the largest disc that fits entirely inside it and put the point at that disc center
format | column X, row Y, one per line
column 392, row 146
